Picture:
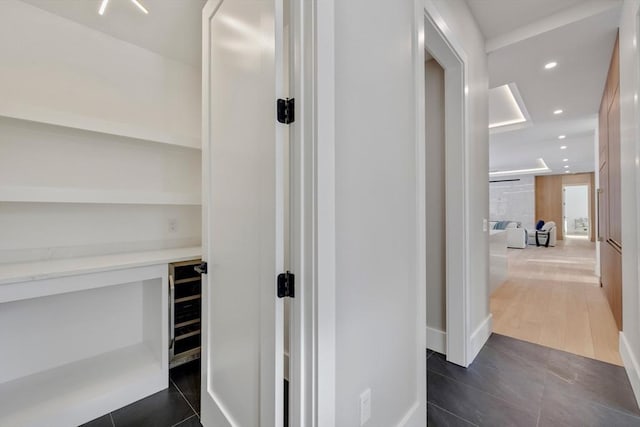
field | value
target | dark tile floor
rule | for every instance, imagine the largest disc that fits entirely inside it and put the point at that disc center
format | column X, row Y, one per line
column 515, row 383
column 511, row 383
column 179, row 405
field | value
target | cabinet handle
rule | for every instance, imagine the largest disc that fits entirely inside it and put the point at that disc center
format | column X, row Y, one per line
column 598, row 236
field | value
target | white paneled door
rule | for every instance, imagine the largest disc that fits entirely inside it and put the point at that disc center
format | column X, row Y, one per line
column 243, row 213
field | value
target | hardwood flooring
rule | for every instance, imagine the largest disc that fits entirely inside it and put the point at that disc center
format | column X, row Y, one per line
column 552, row 297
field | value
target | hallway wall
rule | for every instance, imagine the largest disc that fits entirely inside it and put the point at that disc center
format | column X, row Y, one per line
column 376, row 263
column 375, row 212
column 630, row 152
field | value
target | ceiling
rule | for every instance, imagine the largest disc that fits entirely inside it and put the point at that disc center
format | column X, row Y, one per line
column 171, row 29
column 513, row 14
column 581, row 42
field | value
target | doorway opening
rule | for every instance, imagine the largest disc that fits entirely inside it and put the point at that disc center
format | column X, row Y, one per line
column 576, row 211
column 435, row 202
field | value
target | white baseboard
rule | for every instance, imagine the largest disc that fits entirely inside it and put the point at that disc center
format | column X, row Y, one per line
column 415, row 417
column 630, row 365
column 479, row 338
column 437, row 340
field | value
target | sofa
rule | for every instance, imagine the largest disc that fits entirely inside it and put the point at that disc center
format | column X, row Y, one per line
column 516, row 235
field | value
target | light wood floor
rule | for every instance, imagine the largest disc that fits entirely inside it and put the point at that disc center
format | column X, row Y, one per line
column 553, row 298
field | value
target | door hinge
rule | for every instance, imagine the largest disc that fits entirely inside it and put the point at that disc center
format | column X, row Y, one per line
column 286, row 110
column 286, row 285
column 201, row 268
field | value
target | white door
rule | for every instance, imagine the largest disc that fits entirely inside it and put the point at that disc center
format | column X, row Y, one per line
column 243, row 218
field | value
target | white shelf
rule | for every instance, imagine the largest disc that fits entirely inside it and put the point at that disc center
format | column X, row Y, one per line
column 78, row 195
column 74, row 393
column 30, row 271
column 69, row 120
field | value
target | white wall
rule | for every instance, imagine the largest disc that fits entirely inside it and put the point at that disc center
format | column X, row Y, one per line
column 463, row 27
column 630, row 152
column 513, row 200
column 57, row 71
column 375, row 211
column 376, row 204
column 435, row 199
column 56, row 67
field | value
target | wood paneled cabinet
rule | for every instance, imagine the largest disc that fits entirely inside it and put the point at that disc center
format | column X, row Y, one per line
column 609, row 194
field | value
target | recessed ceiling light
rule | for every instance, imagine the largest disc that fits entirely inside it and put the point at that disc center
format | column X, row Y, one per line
column 566, row 166
column 504, row 109
column 565, row 160
column 558, row 112
column 541, row 168
column 550, row 65
column 567, row 171
column 103, row 6
column 562, row 136
column 141, row 7
column 563, row 147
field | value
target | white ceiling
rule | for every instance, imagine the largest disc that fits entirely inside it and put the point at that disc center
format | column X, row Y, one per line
column 581, row 46
column 171, row 29
column 498, row 17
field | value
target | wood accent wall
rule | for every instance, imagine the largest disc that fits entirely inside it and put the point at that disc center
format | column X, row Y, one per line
column 549, row 201
column 609, row 195
column 548, row 190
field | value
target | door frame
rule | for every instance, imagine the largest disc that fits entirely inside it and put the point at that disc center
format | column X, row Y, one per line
column 305, row 357
column 448, row 51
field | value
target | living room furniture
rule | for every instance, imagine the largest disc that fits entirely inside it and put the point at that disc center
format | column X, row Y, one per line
column 545, row 236
column 516, row 235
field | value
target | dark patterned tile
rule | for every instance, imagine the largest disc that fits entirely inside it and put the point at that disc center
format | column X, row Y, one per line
column 589, row 379
column 187, row 378
column 533, row 354
column 193, row 421
column 104, row 421
column 560, row 409
column 501, row 373
column 164, row 408
column 438, row 417
column 475, row 405
column 429, row 353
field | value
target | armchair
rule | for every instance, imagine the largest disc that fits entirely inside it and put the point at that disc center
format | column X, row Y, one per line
column 544, row 235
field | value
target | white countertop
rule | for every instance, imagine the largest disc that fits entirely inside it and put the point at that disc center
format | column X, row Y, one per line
column 28, row 271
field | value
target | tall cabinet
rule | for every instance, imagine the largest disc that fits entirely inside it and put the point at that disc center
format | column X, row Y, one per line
column 609, row 204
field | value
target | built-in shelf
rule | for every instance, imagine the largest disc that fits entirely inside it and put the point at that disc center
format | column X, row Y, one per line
column 189, row 298
column 75, row 392
column 90, row 124
column 29, row 271
column 79, row 195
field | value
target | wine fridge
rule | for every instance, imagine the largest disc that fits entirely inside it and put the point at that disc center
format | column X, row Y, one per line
column 185, row 291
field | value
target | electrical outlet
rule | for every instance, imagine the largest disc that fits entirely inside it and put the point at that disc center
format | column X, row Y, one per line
column 365, row 406
column 173, row 225
column 485, row 224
